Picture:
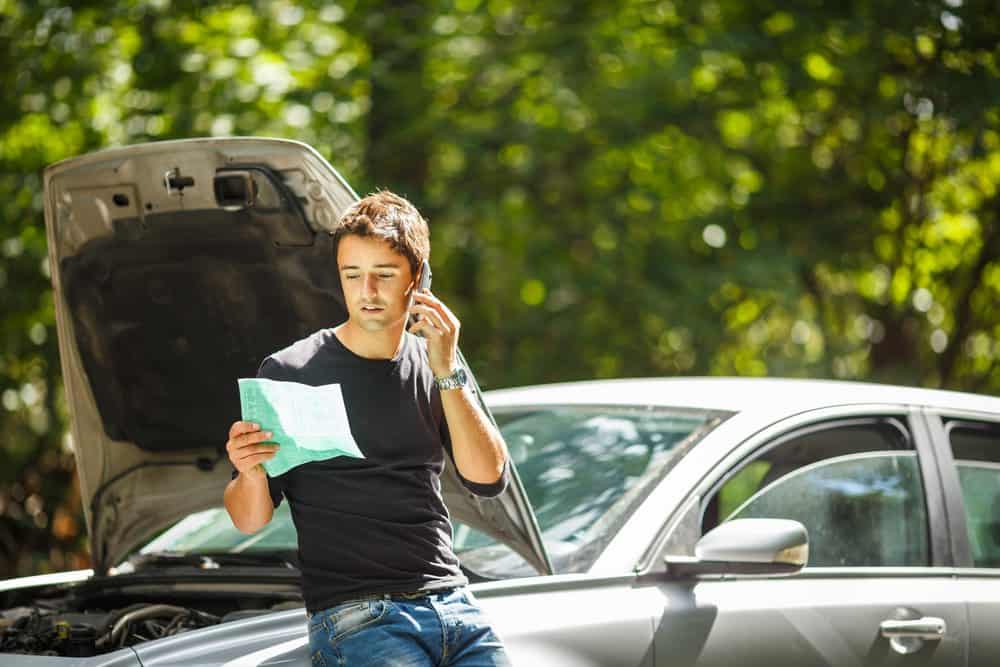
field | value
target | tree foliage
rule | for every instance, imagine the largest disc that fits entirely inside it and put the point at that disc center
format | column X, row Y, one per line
column 624, row 188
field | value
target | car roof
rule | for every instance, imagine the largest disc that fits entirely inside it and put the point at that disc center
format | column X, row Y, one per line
column 736, row 394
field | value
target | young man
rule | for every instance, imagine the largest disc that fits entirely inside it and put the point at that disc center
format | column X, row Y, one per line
column 380, row 580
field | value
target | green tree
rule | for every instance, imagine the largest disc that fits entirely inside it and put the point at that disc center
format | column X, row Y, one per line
column 615, row 189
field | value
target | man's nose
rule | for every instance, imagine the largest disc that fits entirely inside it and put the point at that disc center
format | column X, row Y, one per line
column 369, row 285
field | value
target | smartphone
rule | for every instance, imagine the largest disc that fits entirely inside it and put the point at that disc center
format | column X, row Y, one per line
column 425, row 283
column 425, row 276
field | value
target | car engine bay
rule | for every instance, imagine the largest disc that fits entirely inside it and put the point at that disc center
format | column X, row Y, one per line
column 84, row 620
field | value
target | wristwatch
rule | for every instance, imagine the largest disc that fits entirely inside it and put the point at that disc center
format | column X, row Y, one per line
column 456, row 380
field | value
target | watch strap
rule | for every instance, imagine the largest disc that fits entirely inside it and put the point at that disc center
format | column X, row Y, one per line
column 456, row 380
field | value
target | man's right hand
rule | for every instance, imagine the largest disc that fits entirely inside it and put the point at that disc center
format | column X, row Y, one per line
column 247, row 450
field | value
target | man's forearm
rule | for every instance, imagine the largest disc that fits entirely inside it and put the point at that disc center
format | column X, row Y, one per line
column 248, row 502
column 477, row 446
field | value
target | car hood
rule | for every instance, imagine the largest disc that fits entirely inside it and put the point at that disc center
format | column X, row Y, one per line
column 177, row 267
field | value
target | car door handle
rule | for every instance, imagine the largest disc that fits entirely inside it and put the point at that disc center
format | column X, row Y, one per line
column 927, row 627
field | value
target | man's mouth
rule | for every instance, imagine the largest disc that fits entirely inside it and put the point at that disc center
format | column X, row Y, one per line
column 372, row 309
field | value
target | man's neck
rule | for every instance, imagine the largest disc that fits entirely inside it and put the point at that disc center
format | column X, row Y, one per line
column 370, row 344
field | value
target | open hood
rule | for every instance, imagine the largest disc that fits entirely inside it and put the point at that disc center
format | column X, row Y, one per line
column 177, row 267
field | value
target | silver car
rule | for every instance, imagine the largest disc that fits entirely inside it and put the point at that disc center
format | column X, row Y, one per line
column 699, row 522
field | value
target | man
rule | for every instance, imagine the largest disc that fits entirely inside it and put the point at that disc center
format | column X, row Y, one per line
column 381, row 583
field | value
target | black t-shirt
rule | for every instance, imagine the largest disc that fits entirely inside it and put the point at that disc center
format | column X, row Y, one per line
column 378, row 524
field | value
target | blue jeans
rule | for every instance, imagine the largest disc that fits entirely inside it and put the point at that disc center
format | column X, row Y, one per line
column 437, row 629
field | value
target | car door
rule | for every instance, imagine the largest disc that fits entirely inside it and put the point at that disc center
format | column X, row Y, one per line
column 969, row 454
column 865, row 487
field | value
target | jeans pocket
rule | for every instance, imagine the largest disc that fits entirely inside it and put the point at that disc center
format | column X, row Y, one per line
column 355, row 617
column 319, row 638
column 315, row 621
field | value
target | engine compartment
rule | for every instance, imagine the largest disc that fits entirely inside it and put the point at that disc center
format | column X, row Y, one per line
column 85, row 620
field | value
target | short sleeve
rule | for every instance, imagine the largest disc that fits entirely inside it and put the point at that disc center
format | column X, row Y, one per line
column 483, row 490
column 270, row 369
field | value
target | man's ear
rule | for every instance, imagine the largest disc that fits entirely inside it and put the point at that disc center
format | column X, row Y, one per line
column 412, row 287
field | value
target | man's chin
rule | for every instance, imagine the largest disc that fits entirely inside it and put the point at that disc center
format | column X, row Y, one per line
column 374, row 324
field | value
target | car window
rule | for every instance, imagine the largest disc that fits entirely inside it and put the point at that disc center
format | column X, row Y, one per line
column 860, row 509
column 584, row 469
column 855, row 486
column 975, row 446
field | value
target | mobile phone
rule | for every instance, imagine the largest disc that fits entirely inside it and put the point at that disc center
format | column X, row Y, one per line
column 425, row 283
column 425, row 276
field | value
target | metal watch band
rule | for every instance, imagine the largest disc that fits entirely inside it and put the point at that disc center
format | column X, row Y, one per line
column 456, row 380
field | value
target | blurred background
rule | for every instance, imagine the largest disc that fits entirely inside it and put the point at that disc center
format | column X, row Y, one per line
column 615, row 188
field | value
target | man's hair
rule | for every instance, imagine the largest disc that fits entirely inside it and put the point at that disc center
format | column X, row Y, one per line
column 387, row 216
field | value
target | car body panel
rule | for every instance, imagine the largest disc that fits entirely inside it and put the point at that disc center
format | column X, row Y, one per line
column 980, row 588
column 587, row 620
column 575, row 621
column 125, row 657
column 809, row 621
column 51, row 579
column 760, row 396
column 280, row 636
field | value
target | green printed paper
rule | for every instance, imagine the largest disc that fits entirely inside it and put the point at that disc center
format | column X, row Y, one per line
column 309, row 423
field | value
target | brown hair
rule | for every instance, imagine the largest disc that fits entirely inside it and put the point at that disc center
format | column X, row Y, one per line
column 387, row 216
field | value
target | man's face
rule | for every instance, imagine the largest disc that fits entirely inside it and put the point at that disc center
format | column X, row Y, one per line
column 377, row 282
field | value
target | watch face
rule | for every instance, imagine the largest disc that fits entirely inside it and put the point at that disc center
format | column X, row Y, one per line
column 460, row 377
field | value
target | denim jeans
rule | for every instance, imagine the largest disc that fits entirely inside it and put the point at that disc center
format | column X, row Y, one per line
column 436, row 629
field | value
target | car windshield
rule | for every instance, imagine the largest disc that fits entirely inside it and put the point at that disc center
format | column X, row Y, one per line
column 585, row 470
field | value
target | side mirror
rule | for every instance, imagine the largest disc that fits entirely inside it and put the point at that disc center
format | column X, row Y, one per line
column 746, row 546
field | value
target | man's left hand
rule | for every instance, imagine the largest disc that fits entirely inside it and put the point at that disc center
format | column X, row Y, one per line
column 439, row 326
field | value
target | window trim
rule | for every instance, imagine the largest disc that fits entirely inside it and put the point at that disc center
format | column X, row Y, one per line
column 909, row 426
column 744, row 451
column 799, row 432
column 941, row 534
column 939, row 423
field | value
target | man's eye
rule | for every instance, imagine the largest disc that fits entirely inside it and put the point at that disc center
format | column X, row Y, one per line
column 385, row 276
column 349, row 277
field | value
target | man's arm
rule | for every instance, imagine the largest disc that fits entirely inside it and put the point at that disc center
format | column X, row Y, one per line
column 247, row 497
column 477, row 447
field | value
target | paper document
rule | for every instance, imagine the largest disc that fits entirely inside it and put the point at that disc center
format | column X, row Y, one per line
column 309, row 423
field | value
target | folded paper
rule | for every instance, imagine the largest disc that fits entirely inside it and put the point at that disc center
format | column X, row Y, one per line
column 308, row 423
